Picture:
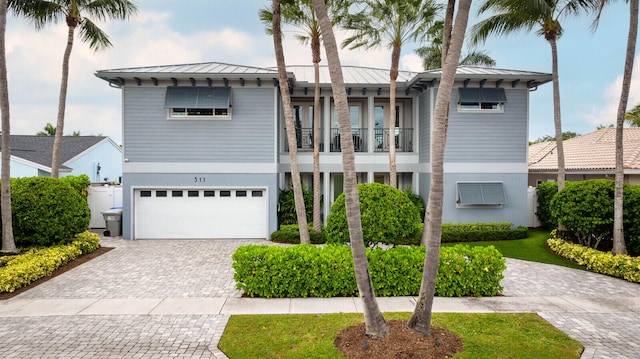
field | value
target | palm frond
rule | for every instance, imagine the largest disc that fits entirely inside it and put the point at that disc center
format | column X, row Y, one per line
column 93, row 35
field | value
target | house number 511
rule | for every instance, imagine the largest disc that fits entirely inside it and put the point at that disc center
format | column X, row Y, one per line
column 200, row 179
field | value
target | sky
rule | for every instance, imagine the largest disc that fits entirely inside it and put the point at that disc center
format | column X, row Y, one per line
column 165, row 32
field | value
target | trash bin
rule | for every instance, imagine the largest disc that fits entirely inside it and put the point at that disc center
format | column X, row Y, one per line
column 113, row 220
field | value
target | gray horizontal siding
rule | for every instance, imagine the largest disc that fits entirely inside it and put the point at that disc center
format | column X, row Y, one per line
column 424, row 119
column 515, row 209
column 247, row 138
column 489, row 137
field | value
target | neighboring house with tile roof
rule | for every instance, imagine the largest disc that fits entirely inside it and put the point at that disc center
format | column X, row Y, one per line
column 205, row 149
column 590, row 156
column 96, row 156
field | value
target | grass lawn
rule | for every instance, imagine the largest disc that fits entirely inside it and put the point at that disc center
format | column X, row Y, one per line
column 530, row 249
column 490, row 336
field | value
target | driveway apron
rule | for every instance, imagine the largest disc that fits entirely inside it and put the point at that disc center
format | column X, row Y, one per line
column 173, row 298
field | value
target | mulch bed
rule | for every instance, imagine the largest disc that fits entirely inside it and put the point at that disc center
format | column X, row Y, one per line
column 401, row 343
column 65, row 267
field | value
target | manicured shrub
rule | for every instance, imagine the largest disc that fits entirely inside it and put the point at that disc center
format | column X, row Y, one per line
column 311, row 271
column 620, row 266
column 46, row 210
column 388, row 216
column 287, row 206
column 417, row 201
column 545, row 192
column 20, row 270
column 80, row 183
column 586, row 208
column 475, row 232
column 289, row 233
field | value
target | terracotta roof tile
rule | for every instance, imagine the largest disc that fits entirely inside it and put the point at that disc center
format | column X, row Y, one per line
column 593, row 151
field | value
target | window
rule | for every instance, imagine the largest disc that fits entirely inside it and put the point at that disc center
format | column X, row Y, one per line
column 256, row 193
column 241, row 193
column 176, row 193
column 198, row 102
column 161, row 193
column 193, row 193
column 145, row 193
column 225, row 193
column 480, row 194
column 209, row 193
column 481, row 99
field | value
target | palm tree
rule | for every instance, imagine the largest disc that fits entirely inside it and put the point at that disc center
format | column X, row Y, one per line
column 48, row 130
column 42, row 12
column 632, row 117
column 420, row 321
column 619, row 246
column 392, row 23
column 432, row 55
column 8, row 243
column 298, row 197
column 300, row 13
column 514, row 15
column 376, row 326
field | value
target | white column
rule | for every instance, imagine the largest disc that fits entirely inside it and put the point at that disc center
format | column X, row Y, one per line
column 371, row 123
column 327, row 194
column 326, row 121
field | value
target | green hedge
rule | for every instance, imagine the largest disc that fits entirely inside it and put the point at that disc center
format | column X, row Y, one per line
column 545, row 192
column 80, row 183
column 475, row 232
column 585, row 208
column 46, row 211
column 388, row 216
column 22, row 269
column 620, row 266
column 310, row 271
column 289, row 233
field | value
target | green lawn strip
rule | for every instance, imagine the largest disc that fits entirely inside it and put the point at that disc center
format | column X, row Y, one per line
column 491, row 336
column 529, row 249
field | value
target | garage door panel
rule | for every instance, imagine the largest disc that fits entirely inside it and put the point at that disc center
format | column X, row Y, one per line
column 198, row 216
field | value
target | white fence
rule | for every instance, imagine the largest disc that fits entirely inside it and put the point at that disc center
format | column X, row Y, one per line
column 101, row 199
column 532, row 207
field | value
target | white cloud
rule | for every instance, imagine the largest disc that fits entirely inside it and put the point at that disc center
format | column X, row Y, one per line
column 605, row 112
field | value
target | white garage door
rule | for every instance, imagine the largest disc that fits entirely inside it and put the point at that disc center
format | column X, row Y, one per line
column 200, row 213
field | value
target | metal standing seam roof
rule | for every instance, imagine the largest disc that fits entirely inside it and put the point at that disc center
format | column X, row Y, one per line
column 204, row 68
column 353, row 75
column 593, row 151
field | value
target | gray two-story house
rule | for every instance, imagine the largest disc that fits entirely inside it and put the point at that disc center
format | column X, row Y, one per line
column 205, row 151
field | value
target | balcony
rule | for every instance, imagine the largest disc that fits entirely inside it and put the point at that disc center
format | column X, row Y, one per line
column 403, row 139
column 381, row 137
column 304, row 139
column 359, row 136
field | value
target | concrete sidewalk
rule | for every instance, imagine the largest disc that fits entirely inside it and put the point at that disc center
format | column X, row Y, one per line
column 157, row 299
column 19, row 307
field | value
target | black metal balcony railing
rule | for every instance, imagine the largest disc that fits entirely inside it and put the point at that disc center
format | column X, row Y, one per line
column 359, row 136
column 403, row 139
column 304, row 139
column 382, row 142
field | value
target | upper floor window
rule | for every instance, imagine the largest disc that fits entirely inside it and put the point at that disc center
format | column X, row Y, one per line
column 198, row 102
column 481, row 99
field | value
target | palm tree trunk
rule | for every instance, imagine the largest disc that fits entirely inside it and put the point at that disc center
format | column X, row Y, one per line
column 62, row 103
column 317, row 221
column 420, row 321
column 8, row 243
column 290, row 127
column 619, row 246
column 376, row 326
column 393, row 76
column 556, row 112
